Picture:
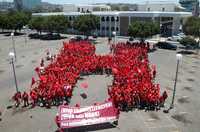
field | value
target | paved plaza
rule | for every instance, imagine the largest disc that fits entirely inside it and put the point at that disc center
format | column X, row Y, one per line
column 185, row 117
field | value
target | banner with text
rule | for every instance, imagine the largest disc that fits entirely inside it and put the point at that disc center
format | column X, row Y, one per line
column 96, row 114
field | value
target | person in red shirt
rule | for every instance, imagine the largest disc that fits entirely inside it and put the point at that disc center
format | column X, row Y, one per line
column 163, row 98
column 17, row 98
column 25, row 98
column 42, row 63
column 154, row 71
column 33, row 81
column 34, row 98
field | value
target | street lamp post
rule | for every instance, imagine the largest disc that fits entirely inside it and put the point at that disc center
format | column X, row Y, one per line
column 12, row 55
column 13, row 45
column 160, row 32
column 178, row 58
column 198, row 47
column 25, row 31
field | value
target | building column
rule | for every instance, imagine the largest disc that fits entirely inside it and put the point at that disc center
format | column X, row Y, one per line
column 105, row 26
column 115, row 26
column 129, row 20
column 110, row 25
column 119, row 25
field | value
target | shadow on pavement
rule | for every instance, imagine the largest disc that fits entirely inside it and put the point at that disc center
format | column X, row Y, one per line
column 186, row 52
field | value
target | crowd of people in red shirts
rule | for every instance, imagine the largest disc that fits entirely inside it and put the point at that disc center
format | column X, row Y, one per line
column 133, row 77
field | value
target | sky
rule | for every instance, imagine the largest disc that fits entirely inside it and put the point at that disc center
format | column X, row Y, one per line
column 98, row 1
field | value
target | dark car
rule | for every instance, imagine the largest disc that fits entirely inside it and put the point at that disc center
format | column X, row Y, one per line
column 76, row 38
column 165, row 45
column 131, row 39
column 79, row 38
column 94, row 36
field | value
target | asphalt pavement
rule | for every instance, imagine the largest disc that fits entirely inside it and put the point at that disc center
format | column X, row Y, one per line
column 185, row 117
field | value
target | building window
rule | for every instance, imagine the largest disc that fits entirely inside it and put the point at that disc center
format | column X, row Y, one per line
column 107, row 18
column 79, row 9
column 112, row 28
column 102, row 19
column 70, row 18
column 163, row 9
column 117, row 19
column 103, row 28
column 112, row 19
column 149, row 9
column 117, row 29
column 107, row 28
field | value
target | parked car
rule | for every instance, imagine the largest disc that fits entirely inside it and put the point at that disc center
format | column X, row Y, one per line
column 182, row 35
column 174, row 38
column 131, row 39
column 51, row 36
column 76, row 38
column 165, row 45
column 79, row 38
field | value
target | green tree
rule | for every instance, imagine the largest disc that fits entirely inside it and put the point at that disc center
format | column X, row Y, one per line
column 57, row 24
column 85, row 24
column 189, row 42
column 142, row 30
column 192, row 27
column 14, row 20
column 3, row 21
column 50, row 24
column 37, row 23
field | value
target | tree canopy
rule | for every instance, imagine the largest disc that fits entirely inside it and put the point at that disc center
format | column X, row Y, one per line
column 142, row 30
column 14, row 20
column 37, row 23
column 192, row 26
column 189, row 42
column 50, row 24
column 86, row 23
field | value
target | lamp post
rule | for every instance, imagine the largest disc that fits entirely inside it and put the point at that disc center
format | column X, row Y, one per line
column 25, row 31
column 160, row 31
column 114, row 34
column 12, row 55
column 178, row 58
column 198, row 47
column 13, row 45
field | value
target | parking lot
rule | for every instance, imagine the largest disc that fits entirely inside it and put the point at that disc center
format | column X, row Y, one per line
column 185, row 117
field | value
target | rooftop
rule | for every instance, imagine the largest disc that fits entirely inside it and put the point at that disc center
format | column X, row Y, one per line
column 121, row 13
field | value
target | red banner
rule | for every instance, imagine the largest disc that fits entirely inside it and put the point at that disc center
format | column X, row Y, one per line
column 96, row 114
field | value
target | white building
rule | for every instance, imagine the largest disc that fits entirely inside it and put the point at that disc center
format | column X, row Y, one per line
column 160, row 6
column 170, row 22
column 85, row 8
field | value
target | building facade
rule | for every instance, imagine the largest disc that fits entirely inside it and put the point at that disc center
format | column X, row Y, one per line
column 164, row 7
column 85, row 8
column 191, row 6
column 5, row 5
column 26, row 4
column 170, row 22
